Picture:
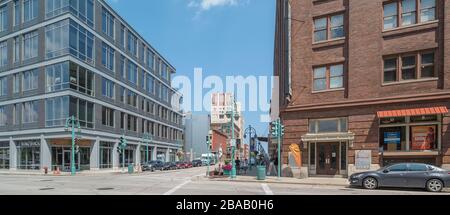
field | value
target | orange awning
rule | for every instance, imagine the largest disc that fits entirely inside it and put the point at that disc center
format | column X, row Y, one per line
column 413, row 112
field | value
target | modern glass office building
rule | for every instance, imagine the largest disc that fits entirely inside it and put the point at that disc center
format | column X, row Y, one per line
column 62, row 58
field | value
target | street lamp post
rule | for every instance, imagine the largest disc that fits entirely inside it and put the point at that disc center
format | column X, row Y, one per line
column 208, row 144
column 250, row 130
column 70, row 122
column 147, row 138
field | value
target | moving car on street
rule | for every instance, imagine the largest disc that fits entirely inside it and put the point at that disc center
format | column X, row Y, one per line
column 152, row 166
column 404, row 175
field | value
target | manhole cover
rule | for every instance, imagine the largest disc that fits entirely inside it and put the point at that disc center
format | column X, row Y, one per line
column 105, row 188
column 47, row 188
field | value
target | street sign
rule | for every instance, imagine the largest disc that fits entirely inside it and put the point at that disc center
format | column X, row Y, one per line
column 233, row 142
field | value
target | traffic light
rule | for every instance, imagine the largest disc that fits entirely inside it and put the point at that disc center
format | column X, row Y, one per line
column 281, row 129
column 77, row 149
column 274, row 129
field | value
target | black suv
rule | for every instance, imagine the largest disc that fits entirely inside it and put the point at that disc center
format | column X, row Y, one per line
column 197, row 163
column 170, row 166
column 152, row 166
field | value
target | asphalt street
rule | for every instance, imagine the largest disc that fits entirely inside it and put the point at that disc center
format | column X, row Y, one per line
column 178, row 182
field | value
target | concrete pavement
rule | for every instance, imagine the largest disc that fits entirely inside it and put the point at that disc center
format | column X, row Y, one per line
column 180, row 182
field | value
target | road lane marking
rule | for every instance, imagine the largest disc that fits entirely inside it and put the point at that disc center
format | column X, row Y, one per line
column 173, row 190
column 266, row 189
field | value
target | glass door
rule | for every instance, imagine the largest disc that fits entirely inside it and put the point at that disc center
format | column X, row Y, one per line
column 67, row 155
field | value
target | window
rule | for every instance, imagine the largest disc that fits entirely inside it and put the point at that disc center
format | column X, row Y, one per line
column 132, row 123
column 329, row 77
column 398, row 168
column 132, row 98
column 30, row 10
column 3, row 54
column 16, row 114
column 3, row 116
column 427, row 10
column 337, row 26
column 81, row 79
column 415, row 133
column 56, row 111
column 29, row 154
column 328, row 125
column 107, row 117
column 427, row 65
column 390, row 70
column 107, row 23
column 163, row 72
column 409, row 13
column 57, row 77
column 150, row 82
column 29, row 112
column 3, row 18
column 30, row 80
column 122, row 120
column 390, row 15
column 123, row 93
column 417, row 167
column 3, row 86
column 132, row 73
column 16, row 83
column 408, row 67
column 122, row 35
column 142, row 52
column 320, row 29
column 132, row 44
column 107, row 88
column 411, row 67
column 81, row 42
column 83, row 110
column 327, row 28
column 17, row 16
column 150, row 60
column 17, row 42
column 106, row 155
column 84, row 10
column 30, row 45
column 57, row 39
column 107, row 57
column 56, row 7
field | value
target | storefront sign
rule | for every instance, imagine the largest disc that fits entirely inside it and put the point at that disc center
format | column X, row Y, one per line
column 363, row 159
column 392, row 137
column 423, row 137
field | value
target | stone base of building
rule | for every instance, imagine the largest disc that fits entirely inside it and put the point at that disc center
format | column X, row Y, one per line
column 352, row 169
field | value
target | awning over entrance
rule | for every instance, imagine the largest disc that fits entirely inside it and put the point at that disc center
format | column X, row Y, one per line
column 328, row 137
column 413, row 112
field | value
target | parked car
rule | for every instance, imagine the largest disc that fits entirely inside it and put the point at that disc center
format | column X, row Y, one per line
column 169, row 166
column 180, row 165
column 189, row 164
column 197, row 163
column 152, row 166
column 404, row 175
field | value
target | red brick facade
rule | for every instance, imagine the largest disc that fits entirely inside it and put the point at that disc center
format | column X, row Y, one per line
column 362, row 53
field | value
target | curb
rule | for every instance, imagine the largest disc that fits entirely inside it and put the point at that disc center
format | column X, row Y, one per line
column 276, row 182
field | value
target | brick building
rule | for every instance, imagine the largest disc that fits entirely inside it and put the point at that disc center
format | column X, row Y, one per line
column 363, row 83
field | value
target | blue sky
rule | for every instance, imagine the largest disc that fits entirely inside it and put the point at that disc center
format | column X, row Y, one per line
column 224, row 37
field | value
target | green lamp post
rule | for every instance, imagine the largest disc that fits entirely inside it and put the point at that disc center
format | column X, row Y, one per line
column 146, row 138
column 72, row 122
column 278, row 132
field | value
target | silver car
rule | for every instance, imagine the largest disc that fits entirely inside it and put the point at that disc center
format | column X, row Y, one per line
column 404, row 175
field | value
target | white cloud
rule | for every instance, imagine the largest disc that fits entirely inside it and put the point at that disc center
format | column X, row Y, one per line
column 208, row 4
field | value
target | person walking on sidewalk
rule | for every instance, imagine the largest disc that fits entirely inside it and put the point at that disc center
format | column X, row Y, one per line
column 238, row 166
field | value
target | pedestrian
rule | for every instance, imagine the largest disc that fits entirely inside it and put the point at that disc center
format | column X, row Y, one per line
column 245, row 166
column 237, row 162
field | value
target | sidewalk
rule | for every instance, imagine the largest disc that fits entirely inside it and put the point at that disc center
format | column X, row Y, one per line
column 285, row 180
column 39, row 173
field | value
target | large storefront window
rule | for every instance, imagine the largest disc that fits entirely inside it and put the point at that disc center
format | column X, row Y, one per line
column 129, row 156
column 161, row 155
column 62, row 158
column 172, row 155
column 83, row 9
column 83, row 111
column 4, row 155
column 29, row 154
column 143, row 155
column 106, row 154
column 415, row 133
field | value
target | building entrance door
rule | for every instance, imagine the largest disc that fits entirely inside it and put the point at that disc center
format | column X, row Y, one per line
column 327, row 158
column 67, row 157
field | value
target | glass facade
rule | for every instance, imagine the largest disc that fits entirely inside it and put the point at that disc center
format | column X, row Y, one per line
column 28, row 154
column 83, row 9
column 83, row 111
column 106, row 155
column 56, row 111
column 128, row 156
column 4, row 155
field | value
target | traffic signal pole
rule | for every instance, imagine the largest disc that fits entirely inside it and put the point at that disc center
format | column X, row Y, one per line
column 278, row 132
column 73, row 146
